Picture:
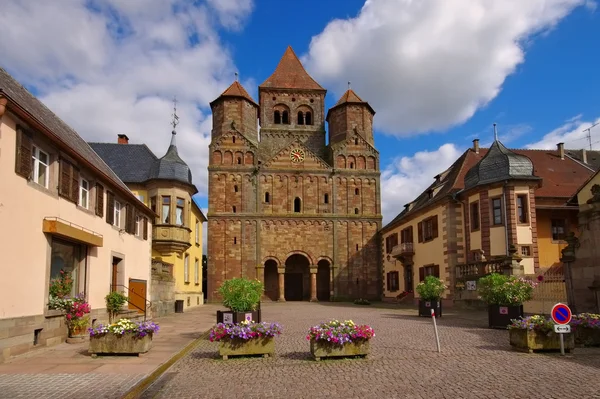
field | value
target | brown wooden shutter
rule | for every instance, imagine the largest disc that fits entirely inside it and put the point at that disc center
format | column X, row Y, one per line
column 420, row 228
column 23, row 159
column 436, row 271
column 110, row 208
column 410, row 234
column 128, row 214
column 421, row 274
column 68, row 181
column 99, row 200
column 74, row 184
column 434, row 224
column 145, row 221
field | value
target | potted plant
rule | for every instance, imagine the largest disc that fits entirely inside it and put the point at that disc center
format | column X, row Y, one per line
column 242, row 297
column 339, row 339
column 114, row 303
column 586, row 327
column 77, row 319
column 505, row 296
column 430, row 296
column 245, row 338
column 124, row 337
column 535, row 333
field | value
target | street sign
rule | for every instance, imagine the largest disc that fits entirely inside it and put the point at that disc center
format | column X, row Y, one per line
column 561, row 314
column 560, row 329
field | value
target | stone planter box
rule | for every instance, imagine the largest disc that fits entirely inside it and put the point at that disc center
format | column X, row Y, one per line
column 426, row 306
column 323, row 349
column 128, row 343
column 501, row 316
column 238, row 347
column 530, row 341
column 586, row 336
column 228, row 316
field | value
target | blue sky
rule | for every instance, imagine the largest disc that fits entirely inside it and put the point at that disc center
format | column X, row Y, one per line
column 438, row 73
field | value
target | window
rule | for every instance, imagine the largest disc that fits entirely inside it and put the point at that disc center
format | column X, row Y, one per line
column 525, row 250
column 351, row 165
column 197, row 232
column 406, row 235
column 138, row 226
column 153, row 204
column 140, row 197
column 390, row 242
column 179, row 211
column 166, row 209
column 196, row 271
column 84, row 193
column 326, row 198
column 117, row 214
column 267, row 198
column 39, row 165
column 186, row 269
column 558, row 229
column 356, row 211
column 522, row 216
column 234, row 209
column 428, row 229
column 233, row 139
column 68, row 258
column 235, row 240
column 300, row 118
column 285, row 118
column 356, row 141
column 277, row 117
column 356, row 191
column 297, row 204
column 497, row 211
column 393, row 281
column 235, row 188
column 308, row 118
column 429, row 270
column 239, row 161
column 474, row 215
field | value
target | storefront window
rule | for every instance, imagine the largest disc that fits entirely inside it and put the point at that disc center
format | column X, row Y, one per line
column 70, row 258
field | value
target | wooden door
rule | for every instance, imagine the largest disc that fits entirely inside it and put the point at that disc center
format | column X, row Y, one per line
column 114, row 273
column 137, row 295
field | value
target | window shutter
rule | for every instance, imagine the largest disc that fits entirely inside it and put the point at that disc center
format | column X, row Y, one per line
column 388, row 277
column 24, row 154
column 145, row 221
column 410, row 234
column 436, row 271
column 128, row 214
column 99, row 200
column 421, row 274
column 110, row 208
column 420, row 228
column 74, row 184
column 64, row 178
column 434, row 223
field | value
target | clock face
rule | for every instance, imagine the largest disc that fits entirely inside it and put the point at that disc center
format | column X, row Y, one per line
column 297, row 155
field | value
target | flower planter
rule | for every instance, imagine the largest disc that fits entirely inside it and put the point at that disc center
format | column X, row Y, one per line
column 128, row 343
column 323, row 349
column 533, row 340
column 426, row 306
column 587, row 336
column 77, row 335
column 501, row 316
column 231, row 317
column 239, row 347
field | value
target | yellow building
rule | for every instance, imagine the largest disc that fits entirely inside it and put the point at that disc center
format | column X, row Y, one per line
column 165, row 186
column 486, row 202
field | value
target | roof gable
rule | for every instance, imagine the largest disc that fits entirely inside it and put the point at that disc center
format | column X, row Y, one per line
column 282, row 159
column 290, row 74
column 349, row 144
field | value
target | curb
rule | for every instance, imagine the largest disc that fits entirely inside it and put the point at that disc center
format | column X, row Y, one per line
column 141, row 386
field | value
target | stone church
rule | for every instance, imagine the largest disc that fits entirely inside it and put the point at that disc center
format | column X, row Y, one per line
column 286, row 207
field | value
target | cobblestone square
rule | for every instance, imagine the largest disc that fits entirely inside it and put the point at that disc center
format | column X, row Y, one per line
column 475, row 362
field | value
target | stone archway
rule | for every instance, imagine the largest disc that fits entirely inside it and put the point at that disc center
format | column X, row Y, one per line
column 271, row 279
column 323, row 280
column 297, row 278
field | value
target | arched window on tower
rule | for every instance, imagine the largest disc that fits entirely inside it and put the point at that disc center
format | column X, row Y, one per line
column 277, row 117
column 267, row 197
column 239, row 161
column 233, row 139
column 356, row 191
column 285, row 119
column 300, row 118
column 326, row 198
column 356, row 211
column 356, row 141
column 234, row 209
column 297, row 205
column 351, row 165
column 235, row 188
column 308, row 118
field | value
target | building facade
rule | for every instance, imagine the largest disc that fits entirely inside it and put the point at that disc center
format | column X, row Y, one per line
column 286, row 207
column 486, row 202
column 165, row 186
column 61, row 209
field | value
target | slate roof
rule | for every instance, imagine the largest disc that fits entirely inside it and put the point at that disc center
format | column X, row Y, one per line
column 593, row 157
column 290, row 74
column 235, row 90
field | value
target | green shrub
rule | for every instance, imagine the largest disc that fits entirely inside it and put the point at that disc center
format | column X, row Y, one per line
column 241, row 294
column 499, row 289
column 431, row 289
column 114, row 302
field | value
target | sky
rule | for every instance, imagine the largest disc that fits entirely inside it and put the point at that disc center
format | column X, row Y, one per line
column 438, row 73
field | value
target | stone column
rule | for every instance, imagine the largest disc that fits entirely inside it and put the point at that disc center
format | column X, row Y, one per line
column 313, row 284
column 281, row 271
column 331, row 277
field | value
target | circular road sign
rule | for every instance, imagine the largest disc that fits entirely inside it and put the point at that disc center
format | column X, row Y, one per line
column 561, row 313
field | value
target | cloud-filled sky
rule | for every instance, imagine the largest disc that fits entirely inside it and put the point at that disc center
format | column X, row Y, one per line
column 438, row 73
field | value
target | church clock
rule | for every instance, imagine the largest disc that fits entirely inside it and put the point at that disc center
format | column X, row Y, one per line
column 297, row 155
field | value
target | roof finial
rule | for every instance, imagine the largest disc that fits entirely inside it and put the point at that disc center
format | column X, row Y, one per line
column 175, row 120
column 236, row 76
column 348, row 85
column 495, row 133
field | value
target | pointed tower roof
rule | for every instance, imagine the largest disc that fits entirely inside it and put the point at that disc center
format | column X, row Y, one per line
column 350, row 97
column 171, row 166
column 236, row 90
column 290, row 74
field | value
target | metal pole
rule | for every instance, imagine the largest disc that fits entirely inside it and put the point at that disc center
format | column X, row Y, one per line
column 437, row 338
column 562, row 344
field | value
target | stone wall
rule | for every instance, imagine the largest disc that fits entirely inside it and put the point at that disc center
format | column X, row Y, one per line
column 163, row 289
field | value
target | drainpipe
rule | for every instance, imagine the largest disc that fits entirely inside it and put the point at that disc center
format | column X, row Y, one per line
column 505, row 215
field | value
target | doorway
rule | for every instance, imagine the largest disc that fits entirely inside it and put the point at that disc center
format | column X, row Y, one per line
column 114, row 274
column 137, row 295
column 323, row 275
column 408, row 278
column 271, row 278
column 296, row 282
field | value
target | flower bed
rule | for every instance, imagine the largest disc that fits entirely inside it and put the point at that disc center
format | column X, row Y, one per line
column 336, row 339
column 536, row 333
column 586, row 327
column 245, row 338
column 124, row 336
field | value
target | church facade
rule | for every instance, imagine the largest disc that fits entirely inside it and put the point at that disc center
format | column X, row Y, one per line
column 286, row 207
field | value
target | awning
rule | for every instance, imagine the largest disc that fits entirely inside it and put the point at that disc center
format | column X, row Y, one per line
column 62, row 228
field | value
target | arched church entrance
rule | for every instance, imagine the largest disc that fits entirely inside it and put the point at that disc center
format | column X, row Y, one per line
column 323, row 273
column 297, row 278
column 271, row 279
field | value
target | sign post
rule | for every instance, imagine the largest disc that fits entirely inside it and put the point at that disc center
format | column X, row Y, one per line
column 561, row 315
column 437, row 338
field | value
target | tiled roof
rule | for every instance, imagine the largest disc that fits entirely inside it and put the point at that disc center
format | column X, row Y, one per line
column 290, row 74
column 237, row 90
column 350, row 97
column 593, row 157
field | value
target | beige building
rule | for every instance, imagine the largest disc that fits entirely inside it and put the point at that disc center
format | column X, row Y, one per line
column 61, row 208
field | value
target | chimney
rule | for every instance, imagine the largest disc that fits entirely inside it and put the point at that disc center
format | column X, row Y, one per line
column 123, row 139
column 584, row 155
column 476, row 146
column 561, row 150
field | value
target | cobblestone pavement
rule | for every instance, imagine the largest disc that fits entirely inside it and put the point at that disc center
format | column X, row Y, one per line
column 475, row 362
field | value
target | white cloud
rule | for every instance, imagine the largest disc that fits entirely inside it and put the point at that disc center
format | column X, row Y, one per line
column 406, row 177
column 573, row 133
column 111, row 66
column 428, row 65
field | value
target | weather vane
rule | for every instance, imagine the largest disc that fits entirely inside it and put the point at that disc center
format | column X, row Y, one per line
column 236, row 76
column 348, row 85
column 175, row 121
column 495, row 133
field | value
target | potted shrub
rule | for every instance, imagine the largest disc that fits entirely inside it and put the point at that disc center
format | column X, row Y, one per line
column 505, row 296
column 242, row 297
column 535, row 333
column 245, row 338
column 339, row 339
column 124, row 337
column 114, row 303
column 77, row 319
column 586, row 328
column 430, row 296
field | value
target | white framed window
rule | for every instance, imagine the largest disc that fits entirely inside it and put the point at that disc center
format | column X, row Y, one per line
column 117, row 220
column 196, row 271
column 138, row 226
column 186, row 269
column 84, row 193
column 197, row 232
column 40, row 163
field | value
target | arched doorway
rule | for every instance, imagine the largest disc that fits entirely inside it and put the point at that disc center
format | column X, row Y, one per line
column 323, row 273
column 271, row 280
column 297, row 278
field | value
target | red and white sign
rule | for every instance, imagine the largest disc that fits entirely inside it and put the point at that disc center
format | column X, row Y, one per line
column 561, row 314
